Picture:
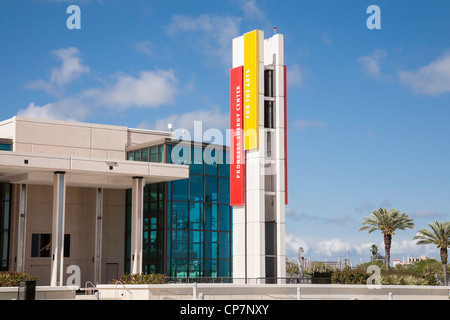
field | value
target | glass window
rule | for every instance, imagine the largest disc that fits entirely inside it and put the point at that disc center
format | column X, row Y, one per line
column 154, row 154
column 210, row 268
column 224, row 245
column 161, row 153
column 196, row 245
column 224, row 164
column 195, row 268
column 210, row 158
column 224, row 218
column 196, row 161
column 196, row 188
column 211, row 187
column 211, row 245
column 130, row 155
column 224, row 268
column 210, row 216
column 179, row 268
column 144, row 154
column 180, row 189
column 224, row 191
column 179, row 243
column 137, row 155
column 179, row 215
column 196, row 216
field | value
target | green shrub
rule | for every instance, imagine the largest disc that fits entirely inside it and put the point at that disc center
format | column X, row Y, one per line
column 12, row 279
column 349, row 277
column 141, row 278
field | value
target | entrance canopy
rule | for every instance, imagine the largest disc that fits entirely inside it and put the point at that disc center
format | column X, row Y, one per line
column 31, row 168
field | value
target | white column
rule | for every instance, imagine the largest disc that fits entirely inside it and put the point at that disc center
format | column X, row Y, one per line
column 98, row 236
column 137, row 226
column 59, row 208
column 21, row 228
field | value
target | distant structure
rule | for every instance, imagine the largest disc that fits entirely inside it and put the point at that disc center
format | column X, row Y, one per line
column 411, row 260
column 301, row 261
column 378, row 257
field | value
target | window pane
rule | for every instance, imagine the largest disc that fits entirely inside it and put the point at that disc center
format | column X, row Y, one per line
column 224, row 218
column 154, row 154
column 179, row 243
column 196, row 188
column 224, row 245
column 180, row 189
column 195, row 268
column 210, row 268
column 5, row 147
column 224, row 166
column 210, row 158
column 196, row 215
column 211, row 189
column 179, row 215
column 179, row 268
column 211, row 216
column 137, row 155
column 144, row 155
column 211, row 245
column 224, row 191
column 196, row 245
column 130, row 155
column 224, row 268
column 196, row 161
column 161, row 153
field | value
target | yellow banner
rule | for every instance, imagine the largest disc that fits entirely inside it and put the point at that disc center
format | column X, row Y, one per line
column 251, row 90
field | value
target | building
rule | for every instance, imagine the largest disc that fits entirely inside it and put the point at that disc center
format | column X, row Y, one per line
column 411, row 260
column 110, row 199
column 259, row 193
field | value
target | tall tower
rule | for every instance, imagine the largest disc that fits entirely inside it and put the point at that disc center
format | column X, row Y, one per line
column 258, row 162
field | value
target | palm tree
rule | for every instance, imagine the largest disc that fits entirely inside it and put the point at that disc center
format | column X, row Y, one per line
column 440, row 236
column 374, row 250
column 387, row 222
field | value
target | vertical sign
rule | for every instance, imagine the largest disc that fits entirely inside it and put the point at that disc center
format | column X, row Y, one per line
column 237, row 173
column 251, row 90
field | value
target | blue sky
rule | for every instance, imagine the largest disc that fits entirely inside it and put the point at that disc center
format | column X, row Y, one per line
column 369, row 110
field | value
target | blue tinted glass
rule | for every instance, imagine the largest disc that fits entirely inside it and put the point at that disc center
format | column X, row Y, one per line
column 5, row 147
column 224, row 190
column 224, row 245
column 211, row 245
column 179, row 154
column 180, row 189
column 161, row 153
column 196, row 187
column 180, row 243
column 210, row 216
column 196, row 245
column 210, row 158
column 195, row 268
column 224, row 166
column 224, row 268
column 211, row 268
column 179, row 268
column 179, row 215
column 196, row 216
column 211, row 187
column 154, row 154
column 144, row 154
column 130, row 155
column 224, row 218
column 196, row 161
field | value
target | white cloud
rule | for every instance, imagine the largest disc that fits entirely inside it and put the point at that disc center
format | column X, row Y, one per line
column 292, row 245
column 333, row 247
column 433, row 79
column 302, row 124
column 150, row 89
column 71, row 68
column 251, row 10
column 326, row 39
column 213, row 34
column 70, row 109
column 371, row 64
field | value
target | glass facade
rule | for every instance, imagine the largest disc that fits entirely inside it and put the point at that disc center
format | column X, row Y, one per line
column 187, row 223
column 5, row 214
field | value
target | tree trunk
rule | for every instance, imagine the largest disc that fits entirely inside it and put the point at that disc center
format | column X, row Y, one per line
column 444, row 264
column 387, row 249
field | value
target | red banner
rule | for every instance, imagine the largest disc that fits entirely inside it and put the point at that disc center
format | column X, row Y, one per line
column 237, row 156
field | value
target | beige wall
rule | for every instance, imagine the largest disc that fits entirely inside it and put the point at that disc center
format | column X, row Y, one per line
column 80, row 222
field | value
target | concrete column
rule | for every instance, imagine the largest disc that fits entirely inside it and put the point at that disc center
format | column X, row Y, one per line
column 59, row 208
column 21, row 228
column 137, row 225
column 98, row 236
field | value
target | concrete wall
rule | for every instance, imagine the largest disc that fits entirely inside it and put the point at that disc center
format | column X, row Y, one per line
column 79, row 223
column 271, row 292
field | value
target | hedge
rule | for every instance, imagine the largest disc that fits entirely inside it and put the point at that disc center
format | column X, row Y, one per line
column 141, row 278
column 12, row 279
